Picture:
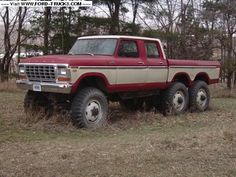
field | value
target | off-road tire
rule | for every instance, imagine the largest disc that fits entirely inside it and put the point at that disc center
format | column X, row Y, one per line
column 80, row 104
column 168, row 107
column 134, row 104
column 37, row 105
column 196, row 88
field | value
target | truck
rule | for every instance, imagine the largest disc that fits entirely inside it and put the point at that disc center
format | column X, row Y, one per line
column 131, row 70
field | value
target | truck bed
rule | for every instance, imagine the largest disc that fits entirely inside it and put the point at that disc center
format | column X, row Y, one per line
column 193, row 69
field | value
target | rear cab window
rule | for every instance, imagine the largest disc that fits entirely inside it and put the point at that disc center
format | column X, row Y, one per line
column 128, row 48
column 152, row 50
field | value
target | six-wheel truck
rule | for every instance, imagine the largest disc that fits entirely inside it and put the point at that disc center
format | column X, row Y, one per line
column 131, row 70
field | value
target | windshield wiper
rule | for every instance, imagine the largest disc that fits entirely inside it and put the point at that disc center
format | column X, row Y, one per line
column 81, row 54
column 90, row 54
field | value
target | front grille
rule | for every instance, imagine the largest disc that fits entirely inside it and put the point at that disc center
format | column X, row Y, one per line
column 41, row 73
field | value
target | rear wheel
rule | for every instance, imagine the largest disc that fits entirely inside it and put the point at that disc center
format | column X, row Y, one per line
column 175, row 99
column 199, row 96
column 89, row 108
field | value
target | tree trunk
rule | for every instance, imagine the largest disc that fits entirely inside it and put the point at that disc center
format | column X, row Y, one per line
column 7, row 44
column 233, row 80
column 135, row 5
column 115, row 27
column 47, row 19
column 63, row 30
column 229, row 80
column 19, row 35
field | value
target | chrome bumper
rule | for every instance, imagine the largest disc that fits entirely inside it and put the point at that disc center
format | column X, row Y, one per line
column 45, row 87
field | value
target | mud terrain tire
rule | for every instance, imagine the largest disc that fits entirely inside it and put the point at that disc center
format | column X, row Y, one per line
column 175, row 99
column 199, row 96
column 89, row 108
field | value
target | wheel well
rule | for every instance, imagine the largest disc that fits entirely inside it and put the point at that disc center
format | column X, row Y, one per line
column 183, row 78
column 93, row 81
column 203, row 77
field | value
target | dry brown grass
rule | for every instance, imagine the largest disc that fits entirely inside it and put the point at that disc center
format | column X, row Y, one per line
column 221, row 91
column 9, row 86
column 134, row 144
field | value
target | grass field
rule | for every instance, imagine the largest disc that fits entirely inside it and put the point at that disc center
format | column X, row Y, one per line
column 133, row 144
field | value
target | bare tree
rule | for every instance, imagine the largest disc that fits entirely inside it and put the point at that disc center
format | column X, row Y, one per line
column 10, row 44
column 114, row 7
column 225, row 19
column 228, row 14
column 164, row 14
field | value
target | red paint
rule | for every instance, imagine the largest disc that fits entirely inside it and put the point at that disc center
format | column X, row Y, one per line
column 173, row 62
column 86, row 60
column 71, row 60
column 113, row 61
column 137, row 87
column 87, row 75
column 213, row 81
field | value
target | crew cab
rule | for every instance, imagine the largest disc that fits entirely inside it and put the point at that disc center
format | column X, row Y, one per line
column 131, row 70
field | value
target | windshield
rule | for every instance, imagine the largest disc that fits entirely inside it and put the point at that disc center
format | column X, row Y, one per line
column 93, row 47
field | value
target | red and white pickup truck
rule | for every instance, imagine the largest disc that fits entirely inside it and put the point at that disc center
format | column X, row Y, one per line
column 131, row 70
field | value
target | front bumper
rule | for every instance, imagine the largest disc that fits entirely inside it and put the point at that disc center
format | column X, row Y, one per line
column 45, row 87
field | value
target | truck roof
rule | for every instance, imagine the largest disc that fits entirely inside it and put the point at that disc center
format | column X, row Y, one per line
column 119, row 36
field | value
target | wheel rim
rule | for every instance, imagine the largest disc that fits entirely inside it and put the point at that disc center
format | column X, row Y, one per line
column 179, row 100
column 93, row 111
column 201, row 98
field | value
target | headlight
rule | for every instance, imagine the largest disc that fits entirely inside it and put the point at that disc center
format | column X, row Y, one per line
column 63, row 74
column 62, row 71
column 21, row 69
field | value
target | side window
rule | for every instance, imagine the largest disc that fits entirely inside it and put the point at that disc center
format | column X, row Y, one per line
column 128, row 48
column 151, row 50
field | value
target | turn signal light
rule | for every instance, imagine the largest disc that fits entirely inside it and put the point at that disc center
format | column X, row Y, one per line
column 63, row 79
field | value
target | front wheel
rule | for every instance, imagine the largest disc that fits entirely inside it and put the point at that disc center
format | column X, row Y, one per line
column 89, row 108
column 199, row 96
column 175, row 99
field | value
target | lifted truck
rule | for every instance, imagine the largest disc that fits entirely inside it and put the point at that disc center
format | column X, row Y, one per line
column 131, row 70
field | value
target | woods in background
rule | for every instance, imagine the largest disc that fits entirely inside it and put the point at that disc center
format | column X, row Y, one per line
column 190, row 29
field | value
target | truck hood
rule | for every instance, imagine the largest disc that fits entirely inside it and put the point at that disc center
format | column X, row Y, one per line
column 71, row 60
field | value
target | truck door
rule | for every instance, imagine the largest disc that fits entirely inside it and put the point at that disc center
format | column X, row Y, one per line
column 157, row 65
column 131, row 67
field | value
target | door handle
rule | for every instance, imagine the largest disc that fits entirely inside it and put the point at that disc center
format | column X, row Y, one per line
column 161, row 63
column 140, row 62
